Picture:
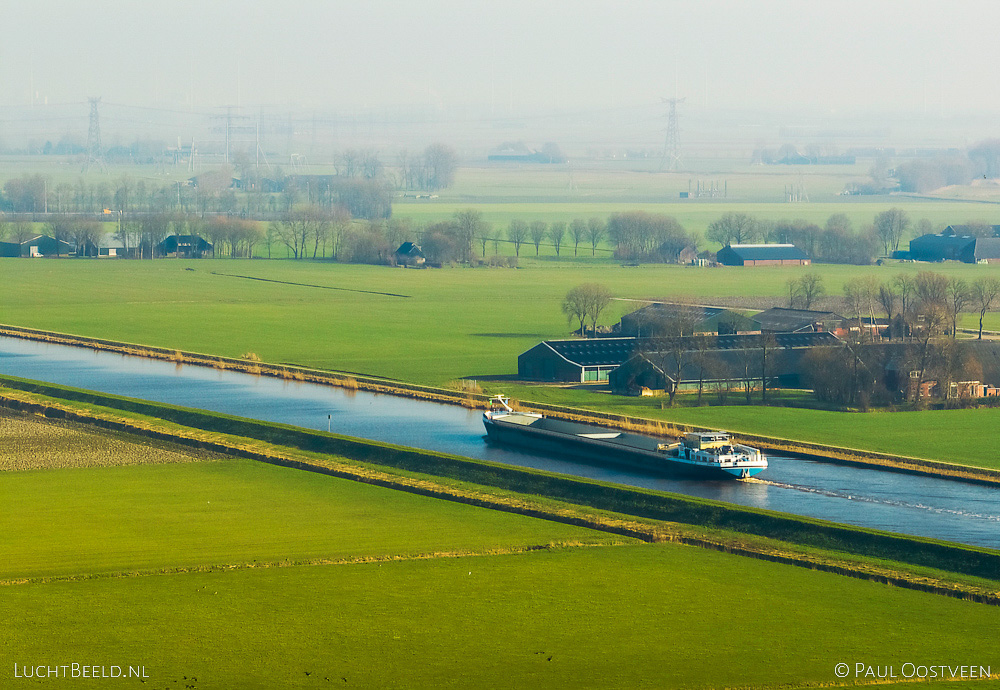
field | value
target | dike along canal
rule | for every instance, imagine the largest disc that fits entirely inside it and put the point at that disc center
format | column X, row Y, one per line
column 911, row 504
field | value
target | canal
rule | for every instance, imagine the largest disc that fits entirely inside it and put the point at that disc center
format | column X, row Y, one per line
column 910, row 504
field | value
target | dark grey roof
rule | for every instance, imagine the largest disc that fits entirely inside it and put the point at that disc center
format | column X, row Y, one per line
column 988, row 248
column 965, row 230
column 667, row 310
column 751, row 341
column 784, row 320
column 409, row 249
column 613, row 351
column 768, row 252
column 936, row 247
column 595, row 351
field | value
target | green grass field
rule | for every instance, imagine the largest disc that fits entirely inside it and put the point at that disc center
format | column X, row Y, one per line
column 121, row 519
column 446, row 324
column 162, row 566
column 451, row 323
column 653, row 616
column 695, row 215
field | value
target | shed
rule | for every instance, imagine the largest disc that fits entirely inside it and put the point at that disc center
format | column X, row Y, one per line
column 987, row 250
column 39, row 245
column 721, row 359
column 762, row 255
column 189, row 246
column 578, row 361
column 409, row 254
column 668, row 318
column 781, row 320
column 943, row 247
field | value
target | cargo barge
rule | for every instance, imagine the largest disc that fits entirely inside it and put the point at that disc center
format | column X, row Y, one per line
column 704, row 455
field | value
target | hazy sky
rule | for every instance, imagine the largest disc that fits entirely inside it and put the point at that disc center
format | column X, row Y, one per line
column 829, row 57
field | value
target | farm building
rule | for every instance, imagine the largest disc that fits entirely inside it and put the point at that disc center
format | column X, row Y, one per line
column 781, row 320
column 574, row 360
column 106, row 248
column 762, row 255
column 409, row 254
column 955, row 244
column 727, row 358
column 187, row 246
column 39, row 245
column 666, row 318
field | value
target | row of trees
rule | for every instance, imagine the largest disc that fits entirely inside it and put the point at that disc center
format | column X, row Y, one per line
column 862, row 374
column 837, row 241
column 920, row 308
column 559, row 233
column 363, row 184
column 927, row 303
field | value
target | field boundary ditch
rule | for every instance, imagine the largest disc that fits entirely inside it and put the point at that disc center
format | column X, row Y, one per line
column 624, row 504
column 800, row 449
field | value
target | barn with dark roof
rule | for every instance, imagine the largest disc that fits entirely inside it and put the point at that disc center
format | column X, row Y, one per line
column 663, row 318
column 955, row 243
column 762, row 255
column 724, row 358
column 782, row 320
column 574, row 360
column 39, row 245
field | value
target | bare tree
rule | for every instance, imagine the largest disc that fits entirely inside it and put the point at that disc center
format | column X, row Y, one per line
column 931, row 289
column 599, row 297
column 959, row 296
column 734, row 228
column 517, row 233
column 575, row 306
column 768, row 345
column 906, row 291
column 577, row 230
column 440, row 162
column 887, row 299
column 538, row 231
column 805, row 291
column 985, row 294
column 794, row 292
column 556, row 233
column 469, row 225
column 595, row 233
column 812, row 289
column 889, row 229
column 296, row 228
column 855, row 295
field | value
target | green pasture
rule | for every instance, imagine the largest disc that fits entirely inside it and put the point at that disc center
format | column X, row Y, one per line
column 584, row 182
column 123, row 519
column 433, row 326
column 656, row 616
column 448, row 324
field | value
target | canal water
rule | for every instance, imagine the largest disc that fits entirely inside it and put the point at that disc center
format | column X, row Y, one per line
column 891, row 501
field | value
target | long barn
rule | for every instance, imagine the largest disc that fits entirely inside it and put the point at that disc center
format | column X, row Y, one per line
column 762, row 255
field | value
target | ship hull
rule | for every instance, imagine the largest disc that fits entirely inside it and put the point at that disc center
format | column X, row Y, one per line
column 599, row 446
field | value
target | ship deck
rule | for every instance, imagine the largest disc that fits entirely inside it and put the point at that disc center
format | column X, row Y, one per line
column 584, row 431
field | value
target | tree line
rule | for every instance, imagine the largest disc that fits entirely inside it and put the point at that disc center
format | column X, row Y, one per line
column 918, row 310
column 361, row 183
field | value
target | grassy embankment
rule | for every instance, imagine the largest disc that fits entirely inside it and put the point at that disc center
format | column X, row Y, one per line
column 452, row 323
column 644, row 504
column 389, row 603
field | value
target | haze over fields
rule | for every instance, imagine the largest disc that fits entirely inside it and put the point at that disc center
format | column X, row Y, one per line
column 592, row 69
